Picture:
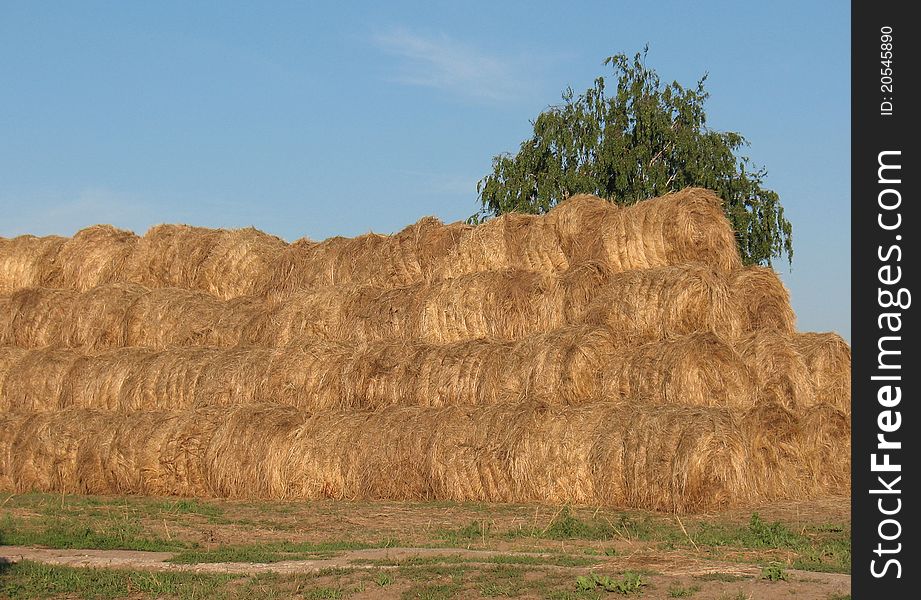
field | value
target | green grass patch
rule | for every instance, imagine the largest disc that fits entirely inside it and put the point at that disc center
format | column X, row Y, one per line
column 773, row 572
column 818, row 548
column 629, row 583
column 678, row 591
column 33, row 580
column 115, row 532
column 502, row 581
column 184, row 506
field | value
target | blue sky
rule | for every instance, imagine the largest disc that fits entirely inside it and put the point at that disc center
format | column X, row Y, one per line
column 318, row 120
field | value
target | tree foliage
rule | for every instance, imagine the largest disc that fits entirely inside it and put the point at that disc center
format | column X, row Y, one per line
column 644, row 140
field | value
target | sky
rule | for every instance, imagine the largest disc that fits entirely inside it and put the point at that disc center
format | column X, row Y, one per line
column 310, row 119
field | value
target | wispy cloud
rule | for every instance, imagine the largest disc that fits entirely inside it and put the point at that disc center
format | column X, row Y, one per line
column 54, row 214
column 445, row 64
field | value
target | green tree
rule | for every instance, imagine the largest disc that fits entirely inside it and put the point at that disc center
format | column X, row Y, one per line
column 645, row 140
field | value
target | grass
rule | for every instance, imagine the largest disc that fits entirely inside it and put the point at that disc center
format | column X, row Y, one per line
column 629, row 583
column 677, row 591
column 502, row 581
column 773, row 573
column 32, row 580
column 571, row 542
column 816, row 548
column 383, row 579
column 115, row 532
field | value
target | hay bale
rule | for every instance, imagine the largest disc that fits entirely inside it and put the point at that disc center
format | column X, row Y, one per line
column 37, row 317
column 510, row 241
column 828, row 359
column 776, row 463
column 221, row 262
column 508, row 304
column 686, row 226
column 34, row 381
column 28, row 261
column 698, row 369
column 825, row 440
column 811, row 449
column 657, row 303
column 573, row 365
column 666, row 458
column 94, row 256
column 8, row 359
column 762, row 300
column 236, row 261
column 779, row 370
column 98, row 318
column 170, row 317
column 579, row 221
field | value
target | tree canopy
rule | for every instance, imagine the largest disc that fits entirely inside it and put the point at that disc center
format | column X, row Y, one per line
column 644, row 140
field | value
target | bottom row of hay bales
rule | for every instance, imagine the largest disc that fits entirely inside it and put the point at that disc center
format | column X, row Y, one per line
column 674, row 458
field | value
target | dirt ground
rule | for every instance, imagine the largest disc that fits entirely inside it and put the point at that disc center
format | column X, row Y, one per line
column 426, row 550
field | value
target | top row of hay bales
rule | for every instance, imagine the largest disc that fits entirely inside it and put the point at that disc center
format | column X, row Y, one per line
column 687, row 226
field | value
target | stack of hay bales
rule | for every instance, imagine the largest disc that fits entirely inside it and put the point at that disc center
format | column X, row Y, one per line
column 597, row 354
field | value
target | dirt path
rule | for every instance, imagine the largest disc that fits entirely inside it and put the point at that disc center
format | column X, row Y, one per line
column 357, row 559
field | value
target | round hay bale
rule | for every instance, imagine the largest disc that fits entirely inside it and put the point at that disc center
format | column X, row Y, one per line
column 658, row 303
column 825, row 441
column 683, row 227
column 778, row 466
column 99, row 317
column 762, row 300
column 28, row 261
column 37, row 317
column 779, row 370
column 579, row 222
column 236, row 262
column 828, row 359
column 698, row 369
column 289, row 271
column 94, row 256
column 36, row 381
column 170, row 317
column 170, row 256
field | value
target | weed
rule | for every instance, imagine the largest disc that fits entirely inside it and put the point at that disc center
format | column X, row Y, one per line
column 630, row 583
column 773, row 572
column 682, row 592
column 383, row 579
